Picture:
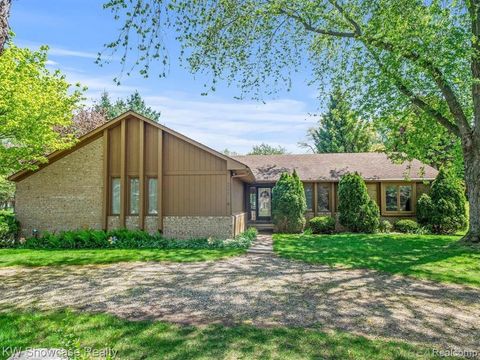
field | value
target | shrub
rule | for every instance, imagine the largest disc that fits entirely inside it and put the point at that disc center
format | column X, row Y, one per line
column 322, row 225
column 358, row 213
column 9, row 228
column 132, row 239
column 385, row 226
column 288, row 204
column 407, row 226
column 443, row 210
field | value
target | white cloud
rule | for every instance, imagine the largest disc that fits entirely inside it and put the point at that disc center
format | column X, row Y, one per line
column 56, row 51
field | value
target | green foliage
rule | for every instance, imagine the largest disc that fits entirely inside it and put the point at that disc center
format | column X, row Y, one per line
column 358, row 213
column 288, row 204
column 407, row 226
column 34, row 102
column 265, row 149
column 385, row 226
column 9, row 228
column 443, row 209
column 322, row 225
column 340, row 129
column 7, row 191
column 133, row 102
column 132, row 239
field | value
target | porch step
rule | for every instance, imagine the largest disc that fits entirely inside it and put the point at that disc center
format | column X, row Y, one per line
column 262, row 227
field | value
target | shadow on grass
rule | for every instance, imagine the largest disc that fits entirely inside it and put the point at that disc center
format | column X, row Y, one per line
column 28, row 257
column 439, row 258
column 161, row 340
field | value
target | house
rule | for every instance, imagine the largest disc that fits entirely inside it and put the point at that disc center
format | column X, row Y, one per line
column 137, row 174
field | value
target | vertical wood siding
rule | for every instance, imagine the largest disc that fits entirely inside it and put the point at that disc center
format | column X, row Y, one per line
column 238, row 196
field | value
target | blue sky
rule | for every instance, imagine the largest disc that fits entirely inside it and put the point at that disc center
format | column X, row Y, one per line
column 75, row 31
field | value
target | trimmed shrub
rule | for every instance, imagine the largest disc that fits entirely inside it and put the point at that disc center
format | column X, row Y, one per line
column 288, row 204
column 322, row 225
column 443, row 209
column 385, row 226
column 9, row 228
column 358, row 213
column 407, row 226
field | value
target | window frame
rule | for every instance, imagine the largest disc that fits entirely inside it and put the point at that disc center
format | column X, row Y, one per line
column 398, row 212
column 329, row 186
column 112, row 213
column 147, row 192
column 129, row 205
column 312, row 202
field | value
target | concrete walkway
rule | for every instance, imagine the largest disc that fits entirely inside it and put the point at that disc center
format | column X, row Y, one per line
column 261, row 289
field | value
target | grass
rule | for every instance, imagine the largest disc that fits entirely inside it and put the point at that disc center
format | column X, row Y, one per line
column 433, row 257
column 160, row 340
column 28, row 257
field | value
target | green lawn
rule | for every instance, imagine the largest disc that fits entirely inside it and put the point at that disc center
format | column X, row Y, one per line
column 160, row 340
column 28, row 257
column 439, row 258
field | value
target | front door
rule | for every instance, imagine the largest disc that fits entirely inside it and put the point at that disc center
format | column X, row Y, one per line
column 264, row 203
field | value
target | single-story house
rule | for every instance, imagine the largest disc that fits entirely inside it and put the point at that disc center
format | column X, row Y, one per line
column 135, row 173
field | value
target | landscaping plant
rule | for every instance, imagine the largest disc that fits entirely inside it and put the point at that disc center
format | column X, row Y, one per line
column 322, row 225
column 357, row 212
column 9, row 228
column 443, row 209
column 407, row 226
column 288, row 204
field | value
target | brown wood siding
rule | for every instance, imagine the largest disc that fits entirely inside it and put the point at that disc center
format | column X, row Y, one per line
column 133, row 146
column 195, row 195
column 151, row 150
column 238, row 196
column 114, row 143
column 195, row 182
column 372, row 189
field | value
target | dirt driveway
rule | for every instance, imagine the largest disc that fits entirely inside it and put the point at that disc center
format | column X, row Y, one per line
column 260, row 289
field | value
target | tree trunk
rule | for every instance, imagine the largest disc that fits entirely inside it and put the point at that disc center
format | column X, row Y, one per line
column 4, row 27
column 472, row 182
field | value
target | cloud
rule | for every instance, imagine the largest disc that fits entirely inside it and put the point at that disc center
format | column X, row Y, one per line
column 56, row 51
column 236, row 125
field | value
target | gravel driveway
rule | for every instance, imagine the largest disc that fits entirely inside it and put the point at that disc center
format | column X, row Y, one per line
column 260, row 289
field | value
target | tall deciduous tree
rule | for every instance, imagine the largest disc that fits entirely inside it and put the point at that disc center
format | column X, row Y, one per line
column 134, row 102
column 265, row 149
column 397, row 53
column 34, row 102
column 4, row 26
column 340, row 129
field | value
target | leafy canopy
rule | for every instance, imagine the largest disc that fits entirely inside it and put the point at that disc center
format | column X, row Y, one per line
column 34, row 102
column 112, row 109
column 265, row 149
column 340, row 129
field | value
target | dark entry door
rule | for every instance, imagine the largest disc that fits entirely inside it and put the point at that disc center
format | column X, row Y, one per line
column 264, row 203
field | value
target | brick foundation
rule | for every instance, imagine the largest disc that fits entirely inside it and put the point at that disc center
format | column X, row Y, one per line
column 191, row 227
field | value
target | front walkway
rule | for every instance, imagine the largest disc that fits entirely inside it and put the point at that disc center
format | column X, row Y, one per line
column 259, row 289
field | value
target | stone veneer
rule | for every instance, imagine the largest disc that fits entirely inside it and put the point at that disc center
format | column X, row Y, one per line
column 65, row 195
column 190, row 227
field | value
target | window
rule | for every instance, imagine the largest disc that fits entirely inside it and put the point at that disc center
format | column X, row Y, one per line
column 309, row 195
column 399, row 197
column 323, row 197
column 253, row 203
column 115, row 205
column 152, row 196
column 134, row 196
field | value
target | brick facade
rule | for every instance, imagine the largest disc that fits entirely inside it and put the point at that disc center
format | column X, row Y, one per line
column 65, row 195
column 190, row 227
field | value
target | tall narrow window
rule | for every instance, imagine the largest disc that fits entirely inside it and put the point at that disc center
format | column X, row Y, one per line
column 134, row 196
column 253, row 203
column 115, row 188
column 391, row 198
column 308, row 187
column 152, row 196
column 323, row 197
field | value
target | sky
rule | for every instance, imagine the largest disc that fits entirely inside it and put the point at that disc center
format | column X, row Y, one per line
column 76, row 30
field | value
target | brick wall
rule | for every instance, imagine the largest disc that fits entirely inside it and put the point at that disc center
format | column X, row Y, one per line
column 191, row 227
column 65, row 195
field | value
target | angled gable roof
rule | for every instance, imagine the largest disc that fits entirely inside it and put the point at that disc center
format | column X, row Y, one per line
column 330, row 167
column 232, row 164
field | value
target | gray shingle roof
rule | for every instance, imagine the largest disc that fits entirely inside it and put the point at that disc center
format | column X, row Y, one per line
column 330, row 167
